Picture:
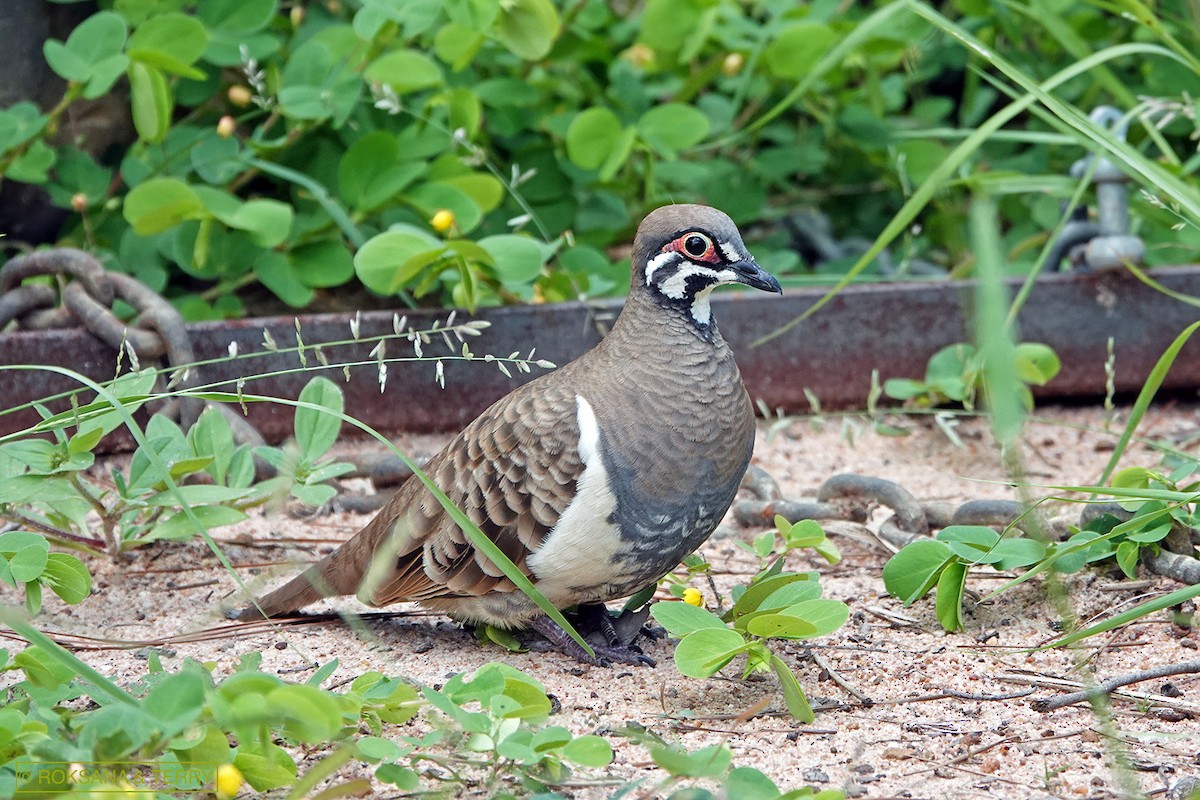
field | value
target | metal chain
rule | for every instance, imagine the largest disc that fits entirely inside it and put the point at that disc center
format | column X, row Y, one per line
column 157, row 333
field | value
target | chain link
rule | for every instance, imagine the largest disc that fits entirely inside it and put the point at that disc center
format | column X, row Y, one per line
column 157, row 333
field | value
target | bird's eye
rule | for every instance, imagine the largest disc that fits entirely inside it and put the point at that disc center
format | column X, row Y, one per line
column 696, row 245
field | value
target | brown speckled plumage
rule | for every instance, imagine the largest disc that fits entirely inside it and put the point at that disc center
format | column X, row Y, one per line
column 675, row 434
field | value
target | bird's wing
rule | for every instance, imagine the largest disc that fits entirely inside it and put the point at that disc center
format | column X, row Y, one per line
column 513, row 471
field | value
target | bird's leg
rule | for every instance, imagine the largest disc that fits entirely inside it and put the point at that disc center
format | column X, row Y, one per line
column 595, row 616
column 604, row 657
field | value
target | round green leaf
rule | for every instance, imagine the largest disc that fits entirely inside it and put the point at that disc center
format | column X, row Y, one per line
column 267, row 221
column 971, row 543
column 780, row 626
column 172, row 41
column 309, row 715
column 798, row 48
column 67, row 577
column 592, row 136
column 405, row 71
column 528, row 27
column 703, row 653
column 516, row 259
column 680, row 619
column 375, row 748
column 671, row 127
column 1037, row 363
column 911, row 573
column 322, row 264
column 588, row 751
column 393, row 258
column 27, row 563
column 160, row 204
column 277, row 272
column 316, row 431
column 826, row 616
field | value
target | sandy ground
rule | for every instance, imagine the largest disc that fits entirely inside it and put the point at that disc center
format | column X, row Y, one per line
column 912, row 713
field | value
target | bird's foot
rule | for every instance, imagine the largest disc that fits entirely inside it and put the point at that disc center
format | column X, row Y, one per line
column 605, row 655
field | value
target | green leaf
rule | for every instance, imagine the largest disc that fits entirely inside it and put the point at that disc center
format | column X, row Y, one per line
column 1037, row 363
column 265, row 767
column 780, row 626
column 180, row 526
column 707, row 762
column 680, row 619
column 972, row 543
column 171, row 42
column 592, row 136
column 67, row 577
column 796, row 49
column 27, row 564
column 516, row 259
column 747, row 783
column 236, row 16
column 793, row 695
column 19, row 123
column 1017, row 551
column 322, row 264
column 760, row 590
column 269, row 222
column 160, row 204
column 949, row 595
column 150, row 102
column 588, row 751
column 370, row 172
column 912, row 572
column 1127, row 558
column 276, row 272
column 528, row 28
column 375, row 748
column 703, row 653
column 823, row 614
column 405, row 71
column 309, row 715
column 671, row 127
column 316, row 431
column 393, row 258
column 176, row 701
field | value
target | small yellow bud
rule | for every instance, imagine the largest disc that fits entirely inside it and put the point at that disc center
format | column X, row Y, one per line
column 79, row 202
column 229, row 780
column 443, row 220
column 733, row 63
column 693, row 597
column 297, row 15
column 640, row 55
column 239, row 95
column 226, row 126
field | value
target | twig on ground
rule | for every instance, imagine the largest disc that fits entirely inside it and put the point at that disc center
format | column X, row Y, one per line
column 1109, row 686
column 837, row 678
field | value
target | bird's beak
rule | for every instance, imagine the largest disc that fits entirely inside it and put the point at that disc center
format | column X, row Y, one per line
column 751, row 274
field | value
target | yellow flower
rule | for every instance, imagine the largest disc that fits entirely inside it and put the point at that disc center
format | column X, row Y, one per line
column 226, row 126
column 229, row 780
column 443, row 220
column 693, row 597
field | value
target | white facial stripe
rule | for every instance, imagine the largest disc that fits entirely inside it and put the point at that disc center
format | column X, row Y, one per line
column 701, row 310
column 675, row 286
column 660, row 260
column 731, row 253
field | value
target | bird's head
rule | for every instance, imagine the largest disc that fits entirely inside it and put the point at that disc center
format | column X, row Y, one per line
column 682, row 252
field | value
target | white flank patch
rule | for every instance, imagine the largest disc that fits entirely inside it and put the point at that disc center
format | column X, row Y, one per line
column 578, row 551
column 660, row 260
column 731, row 253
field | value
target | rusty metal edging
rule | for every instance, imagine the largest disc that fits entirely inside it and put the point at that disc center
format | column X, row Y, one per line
column 891, row 328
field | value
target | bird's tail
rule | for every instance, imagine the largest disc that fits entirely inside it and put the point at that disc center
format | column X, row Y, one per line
column 337, row 574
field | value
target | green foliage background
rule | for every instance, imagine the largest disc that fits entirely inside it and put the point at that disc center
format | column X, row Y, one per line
column 548, row 127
